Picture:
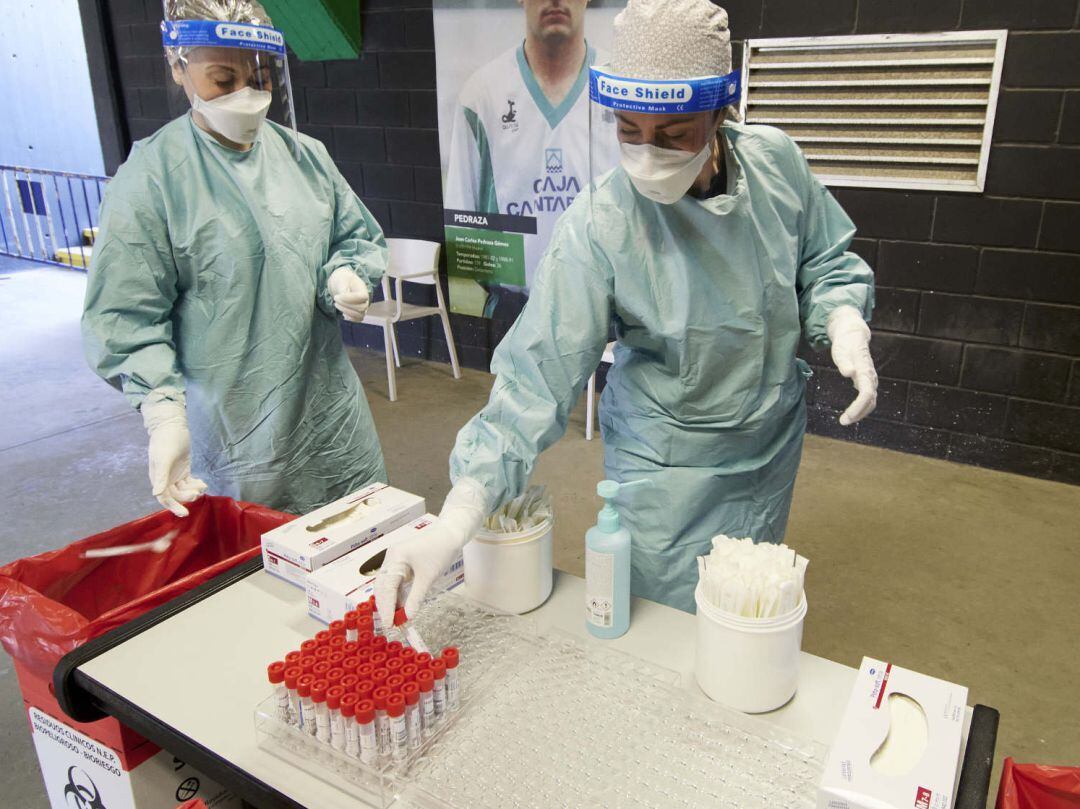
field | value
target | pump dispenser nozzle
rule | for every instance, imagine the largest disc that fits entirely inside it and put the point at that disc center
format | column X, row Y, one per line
column 607, row 520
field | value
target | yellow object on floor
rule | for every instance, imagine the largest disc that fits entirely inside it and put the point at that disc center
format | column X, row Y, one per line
column 89, row 235
column 74, row 256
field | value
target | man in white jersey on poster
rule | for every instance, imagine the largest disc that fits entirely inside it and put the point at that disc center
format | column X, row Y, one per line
column 520, row 145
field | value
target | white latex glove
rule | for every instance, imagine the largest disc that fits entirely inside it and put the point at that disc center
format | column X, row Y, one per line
column 170, row 453
column 423, row 558
column 349, row 292
column 850, row 337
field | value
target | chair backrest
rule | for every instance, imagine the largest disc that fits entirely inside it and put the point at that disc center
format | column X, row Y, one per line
column 412, row 256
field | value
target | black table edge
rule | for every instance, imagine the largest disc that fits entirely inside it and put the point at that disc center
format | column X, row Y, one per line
column 86, row 700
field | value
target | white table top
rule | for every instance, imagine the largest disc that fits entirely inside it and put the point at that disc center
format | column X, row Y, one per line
column 203, row 671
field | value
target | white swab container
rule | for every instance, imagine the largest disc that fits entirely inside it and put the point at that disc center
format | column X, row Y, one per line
column 751, row 664
column 510, row 572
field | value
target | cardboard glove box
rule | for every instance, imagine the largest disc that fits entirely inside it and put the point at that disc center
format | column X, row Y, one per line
column 899, row 743
column 292, row 551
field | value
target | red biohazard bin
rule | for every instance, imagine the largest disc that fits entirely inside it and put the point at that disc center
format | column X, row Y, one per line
column 56, row 601
column 1038, row 786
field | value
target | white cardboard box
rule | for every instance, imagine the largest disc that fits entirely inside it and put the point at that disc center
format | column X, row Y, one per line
column 80, row 772
column 293, row 550
column 338, row 587
column 923, row 758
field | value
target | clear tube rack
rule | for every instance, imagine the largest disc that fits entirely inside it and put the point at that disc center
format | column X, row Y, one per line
column 546, row 720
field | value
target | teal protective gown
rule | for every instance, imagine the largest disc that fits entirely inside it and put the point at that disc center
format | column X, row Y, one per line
column 209, row 281
column 706, row 396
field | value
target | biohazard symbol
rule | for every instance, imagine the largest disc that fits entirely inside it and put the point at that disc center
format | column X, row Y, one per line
column 81, row 792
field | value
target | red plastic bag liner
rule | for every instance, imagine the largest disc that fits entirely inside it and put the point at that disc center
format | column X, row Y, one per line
column 56, row 601
column 1038, row 786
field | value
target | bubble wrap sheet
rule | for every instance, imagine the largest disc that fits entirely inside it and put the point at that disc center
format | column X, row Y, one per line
column 547, row 720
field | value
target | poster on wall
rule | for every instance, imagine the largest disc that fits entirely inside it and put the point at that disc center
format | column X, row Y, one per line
column 513, row 100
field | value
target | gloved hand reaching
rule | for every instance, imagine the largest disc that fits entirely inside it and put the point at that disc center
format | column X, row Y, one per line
column 424, row 557
column 350, row 294
column 170, row 453
column 850, row 337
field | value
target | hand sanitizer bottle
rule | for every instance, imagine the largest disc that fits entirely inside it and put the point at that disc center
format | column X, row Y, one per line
column 607, row 567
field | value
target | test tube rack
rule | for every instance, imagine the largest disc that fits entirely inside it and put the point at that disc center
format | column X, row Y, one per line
column 547, row 720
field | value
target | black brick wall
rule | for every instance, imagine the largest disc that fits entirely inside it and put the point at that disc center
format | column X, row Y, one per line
column 977, row 330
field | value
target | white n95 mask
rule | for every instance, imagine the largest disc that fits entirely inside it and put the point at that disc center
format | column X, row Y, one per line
column 237, row 116
column 662, row 175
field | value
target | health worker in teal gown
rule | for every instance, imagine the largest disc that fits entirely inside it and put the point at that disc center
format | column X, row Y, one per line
column 709, row 250
column 229, row 248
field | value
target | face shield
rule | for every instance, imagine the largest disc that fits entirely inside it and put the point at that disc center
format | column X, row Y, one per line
column 663, row 131
column 232, row 76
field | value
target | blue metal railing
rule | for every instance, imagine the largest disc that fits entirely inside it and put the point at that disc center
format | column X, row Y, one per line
column 49, row 216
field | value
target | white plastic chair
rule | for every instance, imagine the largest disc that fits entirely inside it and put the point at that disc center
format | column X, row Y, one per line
column 590, row 405
column 417, row 262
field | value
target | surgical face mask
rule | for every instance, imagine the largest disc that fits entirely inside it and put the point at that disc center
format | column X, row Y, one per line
column 662, row 175
column 236, row 116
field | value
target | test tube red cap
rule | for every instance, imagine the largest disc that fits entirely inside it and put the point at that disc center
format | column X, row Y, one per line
column 348, row 704
column 395, row 664
column 351, row 663
column 365, row 712
column 395, row 705
column 308, row 646
column 408, row 654
column 337, row 627
column 276, row 672
column 378, row 642
column 450, row 657
column 423, row 659
column 409, row 671
column 318, row 690
column 411, row 692
column 366, row 637
column 350, row 620
column 303, row 685
column 354, row 614
column 378, row 659
column 393, row 648
column 438, row 668
column 380, row 674
column 292, row 675
column 292, row 658
column 307, row 664
column 323, row 652
column 323, row 637
column 364, row 671
column 336, row 658
column 399, row 616
column 394, row 682
column 426, row 680
column 333, row 697
column 350, row 648
column 321, row 668
column 379, row 696
column 349, row 681
column 365, row 688
column 337, row 642
column 335, row 674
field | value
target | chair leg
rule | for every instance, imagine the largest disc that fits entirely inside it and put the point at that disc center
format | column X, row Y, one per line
column 388, row 345
column 393, row 342
column 450, row 343
column 589, row 408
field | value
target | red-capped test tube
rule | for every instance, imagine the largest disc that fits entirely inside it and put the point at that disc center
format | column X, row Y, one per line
column 337, row 724
column 407, row 632
column 408, row 671
column 399, row 731
column 322, row 638
column 382, row 720
column 348, row 718
column 292, row 677
column 438, row 671
column 453, row 684
column 365, row 688
column 307, row 707
column 293, row 658
column 337, row 627
column 275, row 672
column 322, row 713
column 426, row 682
column 351, row 631
column 365, row 725
column 376, row 621
column 411, row 692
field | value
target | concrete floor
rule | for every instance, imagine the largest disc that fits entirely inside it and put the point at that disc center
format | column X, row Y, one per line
column 958, row 572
